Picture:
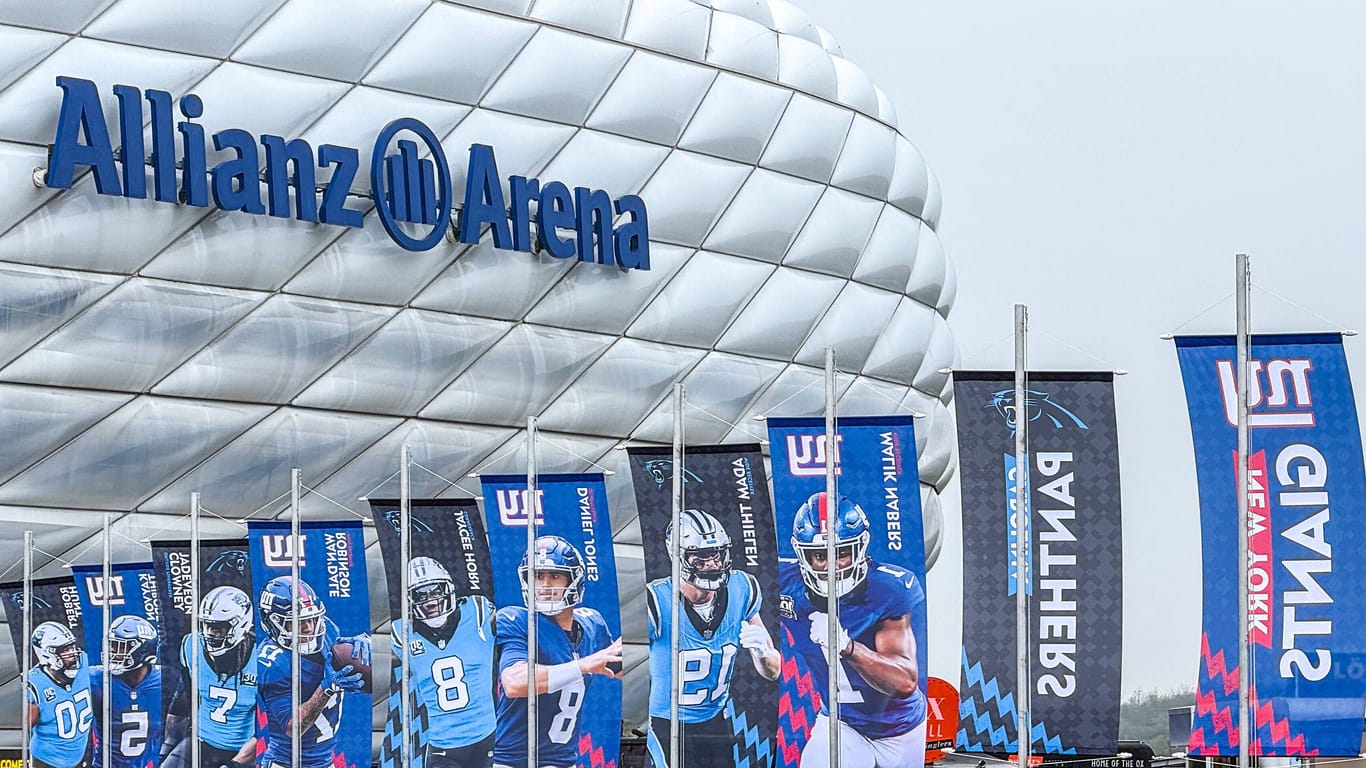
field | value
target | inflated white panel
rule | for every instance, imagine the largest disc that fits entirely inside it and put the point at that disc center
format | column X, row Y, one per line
column 688, row 193
column 776, row 322
column 59, row 17
column 600, row 17
column 808, row 140
column 852, row 326
column 523, row 88
column 363, row 265
column 637, row 106
column 804, row 65
column 37, row 420
column 183, row 27
column 580, row 163
column 743, row 45
column 678, row 27
column 708, row 291
column 340, row 39
column 833, row 236
column 21, row 48
column 522, row 146
column 853, row 86
column 36, row 301
column 900, row 349
column 930, row 269
column 590, row 298
column 489, row 283
column 736, row 119
column 890, row 252
column 763, row 218
column 594, row 404
column 865, row 166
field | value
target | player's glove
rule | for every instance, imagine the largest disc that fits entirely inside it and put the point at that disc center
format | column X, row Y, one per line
column 820, row 633
column 360, row 648
column 344, row 680
column 755, row 638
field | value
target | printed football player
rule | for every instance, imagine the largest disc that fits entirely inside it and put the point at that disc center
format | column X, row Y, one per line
column 322, row 685
column 573, row 646
column 227, row 686
column 134, row 695
column 58, row 691
column 451, row 655
column 719, row 616
column 882, row 711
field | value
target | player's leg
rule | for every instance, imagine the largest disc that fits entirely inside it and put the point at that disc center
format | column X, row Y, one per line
column 657, row 743
column 212, row 757
column 856, row 750
column 900, row 751
column 476, row 755
column 179, row 757
column 711, row 742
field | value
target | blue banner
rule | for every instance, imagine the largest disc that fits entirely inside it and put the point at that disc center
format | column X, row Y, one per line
column 135, row 676
column 331, row 642
column 880, row 573
column 1305, row 528
column 580, row 720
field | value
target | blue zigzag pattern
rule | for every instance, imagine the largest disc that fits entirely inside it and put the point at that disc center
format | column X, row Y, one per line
column 994, row 730
column 748, row 741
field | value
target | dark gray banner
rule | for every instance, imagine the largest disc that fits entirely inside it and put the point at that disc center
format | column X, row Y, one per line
column 728, row 700
column 1074, row 570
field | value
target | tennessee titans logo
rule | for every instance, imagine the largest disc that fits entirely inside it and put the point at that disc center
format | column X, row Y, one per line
column 394, row 518
column 1038, row 405
column 234, row 560
column 38, row 601
column 661, row 471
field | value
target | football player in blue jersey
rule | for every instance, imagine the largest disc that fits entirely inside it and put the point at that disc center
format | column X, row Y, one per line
column 573, row 645
column 881, row 707
column 58, row 691
column 451, row 655
column 134, row 695
column 322, row 686
column 227, row 686
column 719, row 616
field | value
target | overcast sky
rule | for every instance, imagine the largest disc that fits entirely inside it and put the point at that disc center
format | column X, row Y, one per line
column 1102, row 162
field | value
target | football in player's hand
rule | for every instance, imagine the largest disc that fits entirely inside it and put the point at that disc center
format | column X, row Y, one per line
column 344, row 654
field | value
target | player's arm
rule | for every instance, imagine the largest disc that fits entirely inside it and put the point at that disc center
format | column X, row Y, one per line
column 310, row 708
column 889, row 666
column 554, row 677
column 32, row 715
column 754, row 637
column 247, row 754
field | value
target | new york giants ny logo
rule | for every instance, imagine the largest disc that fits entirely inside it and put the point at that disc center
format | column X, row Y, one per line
column 280, row 550
column 102, row 593
column 1286, row 380
column 512, row 506
column 806, row 455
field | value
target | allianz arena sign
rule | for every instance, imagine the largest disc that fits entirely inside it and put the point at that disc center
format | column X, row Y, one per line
column 408, row 189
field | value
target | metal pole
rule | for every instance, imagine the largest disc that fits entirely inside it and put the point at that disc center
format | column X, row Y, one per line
column 296, row 550
column 533, row 508
column 1243, row 343
column 194, row 630
column 106, row 724
column 1023, row 538
column 675, row 671
column 832, row 600
column 28, row 645
column 405, row 548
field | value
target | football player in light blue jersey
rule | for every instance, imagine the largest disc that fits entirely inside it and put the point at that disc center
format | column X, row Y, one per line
column 227, row 686
column 134, row 695
column 882, row 709
column 322, row 687
column 58, row 691
column 573, row 645
column 451, row 655
column 719, row 616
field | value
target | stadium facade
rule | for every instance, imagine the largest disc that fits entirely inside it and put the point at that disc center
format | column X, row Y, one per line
column 152, row 348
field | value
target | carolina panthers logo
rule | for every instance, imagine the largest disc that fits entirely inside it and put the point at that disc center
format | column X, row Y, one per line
column 661, row 471
column 38, row 600
column 1038, row 405
column 232, row 560
column 394, row 518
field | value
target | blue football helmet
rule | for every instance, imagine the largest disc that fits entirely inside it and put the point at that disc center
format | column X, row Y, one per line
column 851, row 540
column 132, row 644
column 556, row 555
column 277, row 615
column 56, row 649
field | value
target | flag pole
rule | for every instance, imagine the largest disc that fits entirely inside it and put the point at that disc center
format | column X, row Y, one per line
column 405, row 545
column 675, row 671
column 1023, row 537
column 296, row 661
column 1244, row 341
column 194, row 629
column 832, row 599
column 533, row 508
column 24, row 745
column 106, row 724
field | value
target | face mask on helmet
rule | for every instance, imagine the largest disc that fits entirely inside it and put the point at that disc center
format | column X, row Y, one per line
column 706, row 568
column 554, row 555
column 277, row 610
column 705, row 557
column 431, row 592
column 809, row 531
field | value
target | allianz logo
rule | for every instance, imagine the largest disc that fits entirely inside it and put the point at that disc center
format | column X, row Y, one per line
column 413, row 194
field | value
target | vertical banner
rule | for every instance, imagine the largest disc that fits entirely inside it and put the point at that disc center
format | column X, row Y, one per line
column 728, row 617
column 331, row 643
column 880, row 573
column 135, row 711
column 1073, row 573
column 1305, row 530
column 449, row 627
column 573, row 584
column 58, row 682
column 224, row 619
